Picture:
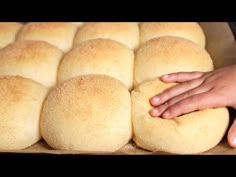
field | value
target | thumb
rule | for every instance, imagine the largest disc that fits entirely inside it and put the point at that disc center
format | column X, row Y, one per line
column 232, row 135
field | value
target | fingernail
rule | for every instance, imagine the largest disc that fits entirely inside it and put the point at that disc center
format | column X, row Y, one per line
column 154, row 112
column 155, row 99
column 166, row 114
column 165, row 76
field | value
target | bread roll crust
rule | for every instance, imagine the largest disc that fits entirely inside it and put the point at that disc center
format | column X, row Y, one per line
column 78, row 24
column 8, row 32
column 58, row 34
column 124, row 32
column 191, row 133
column 99, row 56
column 88, row 113
column 188, row 30
column 36, row 60
column 169, row 54
column 21, row 101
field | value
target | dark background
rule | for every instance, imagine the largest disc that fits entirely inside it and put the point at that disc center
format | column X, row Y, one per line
column 233, row 28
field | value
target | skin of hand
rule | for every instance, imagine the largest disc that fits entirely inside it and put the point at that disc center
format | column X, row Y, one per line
column 197, row 91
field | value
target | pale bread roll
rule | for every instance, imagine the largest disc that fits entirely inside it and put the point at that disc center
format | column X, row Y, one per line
column 124, row 32
column 165, row 55
column 187, row 134
column 188, row 30
column 36, row 60
column 89, row 113
column 8, row 31
column 99, row 56
column 78, row 24
column 21, row 101
column 58, row 34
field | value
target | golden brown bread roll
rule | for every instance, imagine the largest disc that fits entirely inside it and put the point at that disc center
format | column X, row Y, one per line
column 21, row 101
column 58, row 34
column 188, row 30
column 99, row 56
column 187, row 134
column 36, row 60
column 8, row 31
column 87, row 113
column 165, row 55
column 126, row 33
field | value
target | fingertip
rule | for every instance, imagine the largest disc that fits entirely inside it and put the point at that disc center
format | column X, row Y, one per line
column 170, row 113
column 154, row 112
column 232, row 141
column 154, row 100
column 167, row 115
column 165, row 77
column 232, row 135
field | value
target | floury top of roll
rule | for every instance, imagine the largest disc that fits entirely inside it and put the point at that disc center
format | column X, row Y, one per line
column 36, row 60
column 21, row 103
column 99, row 56
column 8, row 32
column 58, row 34
column 187, row 30
column 169, row 54
column 90, row 113
column 123, row 32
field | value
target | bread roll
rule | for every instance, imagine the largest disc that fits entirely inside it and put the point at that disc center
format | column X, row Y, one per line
column 87, row 113
column 99, row 56
column 126, row 33
column 78, row 24
column 21, row 101
column 58, row 34
column 187, row 134
column 36, row 60
column 169, row 54
column 188, row 30
column 8, row 31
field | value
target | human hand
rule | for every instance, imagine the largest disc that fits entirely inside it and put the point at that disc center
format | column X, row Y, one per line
column 197, row 91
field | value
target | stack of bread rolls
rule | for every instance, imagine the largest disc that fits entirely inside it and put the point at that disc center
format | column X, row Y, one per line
column 168, row 48
column 86, row 86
